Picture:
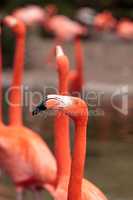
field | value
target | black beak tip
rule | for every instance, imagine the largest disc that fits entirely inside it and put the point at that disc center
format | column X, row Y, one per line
column 38, row 109
column 35, row 112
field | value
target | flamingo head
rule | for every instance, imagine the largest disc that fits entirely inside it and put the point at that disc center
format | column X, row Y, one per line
column 15, row 25
column 72, row 106
column 62, row 61
column 105, row 21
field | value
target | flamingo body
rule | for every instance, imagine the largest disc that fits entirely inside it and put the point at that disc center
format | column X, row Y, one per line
column 89, row 191
column 30, row 15
column 125, row 29
column 25, row 157
column 104, row 21
column 64, row 28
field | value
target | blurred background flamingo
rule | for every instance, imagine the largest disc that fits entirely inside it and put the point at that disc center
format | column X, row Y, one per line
column 46, row 169
column 70, row 31
column 125, row 29
column 104, row 21
column 30, row 15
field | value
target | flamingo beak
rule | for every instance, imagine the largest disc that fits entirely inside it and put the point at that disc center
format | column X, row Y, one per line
column 39, row 108
column 52, row 102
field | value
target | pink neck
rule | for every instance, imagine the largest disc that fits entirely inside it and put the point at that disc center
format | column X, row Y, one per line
column 78, row 161
column 62, row 140
column 63, row 84
column 79, row 59
column 1, row 122
column 15, row 109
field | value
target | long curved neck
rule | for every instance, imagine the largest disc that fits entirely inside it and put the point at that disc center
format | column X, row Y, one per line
column 1, row 122
column 79, row 59
column 63, row 84
column 78, row 161
column 62, row 140
column 15, row 107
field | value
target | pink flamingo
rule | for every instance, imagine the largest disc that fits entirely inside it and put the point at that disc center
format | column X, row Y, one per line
column 24, row 155
column 61, row 134
column 104, row 21
column 62, row 140
column 63, row 160
column 54, row 23
column 71, row 30
column 77, row 187
column 1, row 123
column 30, row 15
column 124, row 29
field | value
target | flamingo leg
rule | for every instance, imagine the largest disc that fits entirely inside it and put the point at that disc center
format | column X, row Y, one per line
column 0, row 173
column 38, row 195
column 19, row 194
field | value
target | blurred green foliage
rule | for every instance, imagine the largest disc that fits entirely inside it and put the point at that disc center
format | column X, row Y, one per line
column 120, row 8
column 65, row 7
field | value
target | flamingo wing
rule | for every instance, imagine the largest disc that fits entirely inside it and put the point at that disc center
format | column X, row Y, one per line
column 65, row 28
column 24, row 156
column 91, row 192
